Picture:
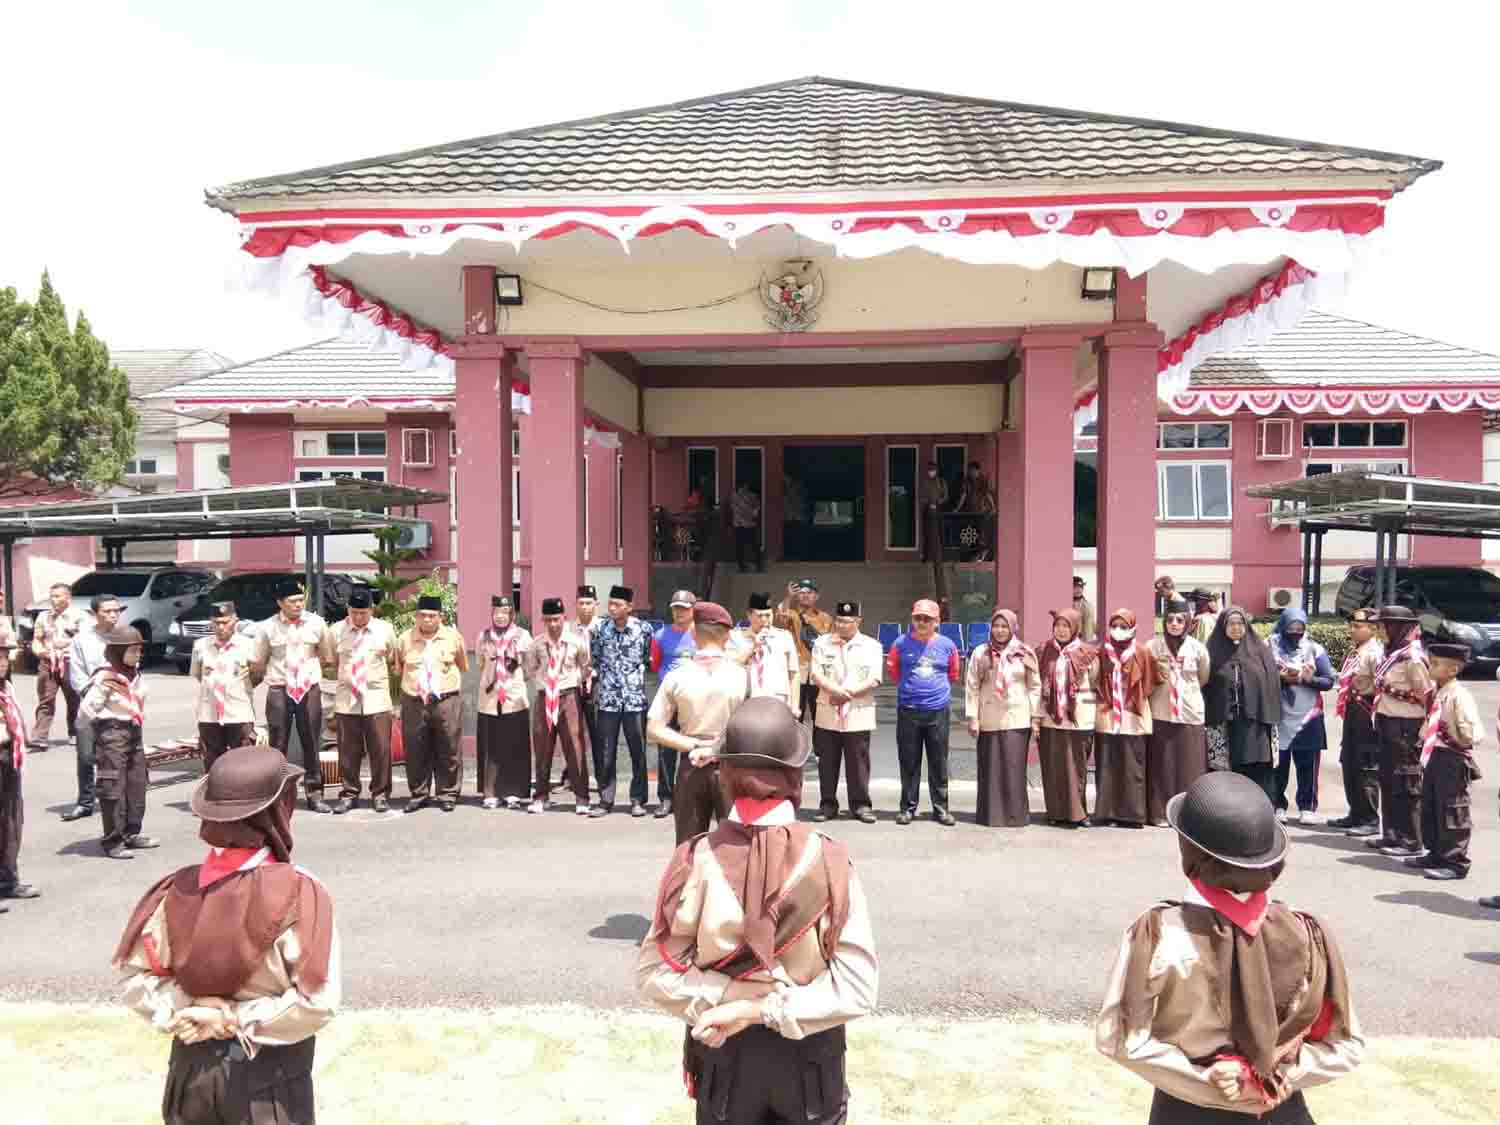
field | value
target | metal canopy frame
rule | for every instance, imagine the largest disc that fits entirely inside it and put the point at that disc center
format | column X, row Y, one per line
column 1387, row 504
column 312, row 509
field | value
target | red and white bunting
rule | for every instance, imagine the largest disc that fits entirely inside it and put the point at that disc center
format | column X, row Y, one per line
column 1265, row 400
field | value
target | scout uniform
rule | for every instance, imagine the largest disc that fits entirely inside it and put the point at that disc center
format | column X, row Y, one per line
column 1177, row 749
column 1085, row 610
column 503, row 726
column 1450, row 733
column 587, row 704
column 618, row 657
column 1123, row 678
column 362, row 704
column 225, row 707
column 85, row 657
column 693, row 705
column 1402, row 692
column 712, row 950
column 432, row 709
column 558, row 668
column 116, row 704
column 242, row 944
column 1359, row 754
column 50, row 644
column 841, row 731
column 770, row 657
column 1067, row 732
column 1205, row 617
column 12, row 811
column 806, row 626
column 290, row 655
column 1003, row 696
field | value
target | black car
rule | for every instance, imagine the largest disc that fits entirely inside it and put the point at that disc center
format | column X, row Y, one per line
column 1456, row 604
column 254, row 598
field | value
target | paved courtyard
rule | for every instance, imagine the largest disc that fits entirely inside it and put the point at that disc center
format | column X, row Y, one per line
column 486, row 908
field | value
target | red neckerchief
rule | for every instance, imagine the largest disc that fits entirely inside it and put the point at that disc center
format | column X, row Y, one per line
column 225, row 861
column 1346, row 682
column 1117, row 681
column 751, row 810
column 1412, row 650
column 1247, row 916
column 503, row 643
column 1437, row 733
column 15, row 726
column 553, row 701
column 218, row 680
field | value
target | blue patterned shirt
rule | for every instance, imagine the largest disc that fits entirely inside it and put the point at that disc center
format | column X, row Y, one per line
column 620, row 660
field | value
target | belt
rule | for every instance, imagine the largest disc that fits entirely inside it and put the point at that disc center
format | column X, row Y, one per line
column 104, row 722
column 438, row 698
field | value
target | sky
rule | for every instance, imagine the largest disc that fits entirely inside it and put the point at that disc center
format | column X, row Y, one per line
column 119, row 116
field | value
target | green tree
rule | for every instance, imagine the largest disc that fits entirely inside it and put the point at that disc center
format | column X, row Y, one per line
column 65, row 413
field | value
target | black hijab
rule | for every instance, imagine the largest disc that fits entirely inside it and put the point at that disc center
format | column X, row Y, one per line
column 1260, row 683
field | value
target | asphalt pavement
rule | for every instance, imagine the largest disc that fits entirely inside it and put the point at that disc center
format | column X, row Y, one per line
column 480, row 907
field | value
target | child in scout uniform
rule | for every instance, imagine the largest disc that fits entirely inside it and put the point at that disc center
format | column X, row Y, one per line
column 115, row 703
column 1450, row 733
column 1359, row 753
column 1403, row 687
column 846, row 669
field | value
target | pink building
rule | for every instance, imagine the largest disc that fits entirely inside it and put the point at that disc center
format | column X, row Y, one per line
column 817, row 287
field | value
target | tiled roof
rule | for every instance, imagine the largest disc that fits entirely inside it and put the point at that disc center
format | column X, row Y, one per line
column 331, row 369
column 149, row 370
column 825, row 134
column 1334, row 351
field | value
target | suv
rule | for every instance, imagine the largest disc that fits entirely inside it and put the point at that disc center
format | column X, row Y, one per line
column 1459, row 604
column 150, row 597
column 254, row 598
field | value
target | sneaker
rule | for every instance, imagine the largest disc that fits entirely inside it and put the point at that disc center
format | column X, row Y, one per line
column 1295, row 817
column 903, row 817
column 1443, row 873
column 866, row 816
column 583, row 810
column 637, row 809
column 20, row 890
column 141, row 843
column 536, row 807
column 1281, row 815
column 491, row 802
column 118, row 850
column 598, row 812
column 344, row 805
column 1401, row 851
column 512, row 802
column 1360, row 831
column 663, row 809
column 1341, row 822
column 944, row 817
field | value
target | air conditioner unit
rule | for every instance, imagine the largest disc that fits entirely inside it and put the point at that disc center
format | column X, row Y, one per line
column 1283, row 597
column 418, row 537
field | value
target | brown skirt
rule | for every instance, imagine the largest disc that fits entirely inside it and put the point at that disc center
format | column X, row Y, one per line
column 1176, row 756
column 1064, row 757
column 1003, row 797
column 1120, row 777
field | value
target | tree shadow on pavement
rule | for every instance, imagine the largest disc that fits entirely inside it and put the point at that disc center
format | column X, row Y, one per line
column 1438, row 902
column 623, row 927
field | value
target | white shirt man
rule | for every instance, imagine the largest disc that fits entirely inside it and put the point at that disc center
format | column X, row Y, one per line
column 846, row 668
column 769, row 654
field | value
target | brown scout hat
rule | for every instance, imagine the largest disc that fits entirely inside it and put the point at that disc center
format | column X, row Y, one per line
column 241, row 782
column 763, row 732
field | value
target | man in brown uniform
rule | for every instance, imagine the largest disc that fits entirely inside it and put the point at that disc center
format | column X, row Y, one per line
column 293, row 650
column 846, row 669
column 431, row 660
column 50, row 644
column 691, row 709
column 365, row 648
column 806, row 622
column 558, row 662
column 1402, row 688
column 1359, row 756
column 1450, row 733
column 221, row 665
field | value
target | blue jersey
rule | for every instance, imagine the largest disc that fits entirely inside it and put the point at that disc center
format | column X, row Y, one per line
column 922, row 671
column 670, row 646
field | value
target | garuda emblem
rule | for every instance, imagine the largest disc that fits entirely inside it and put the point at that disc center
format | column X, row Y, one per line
column 791, row 301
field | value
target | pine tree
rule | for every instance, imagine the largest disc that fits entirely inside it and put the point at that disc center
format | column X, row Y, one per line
column 65, row 413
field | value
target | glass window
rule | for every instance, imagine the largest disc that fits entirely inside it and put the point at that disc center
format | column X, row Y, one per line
column 371, row 443
column 1177, row 435
column 1189, row 490
column 1354, row 433
column 1213, row 435
column 167, row 586
column 1213, row 492
column 1318, row 435
column 309, row 474
column 1086, row 499
column 351, row 443
column 310, row 447
column 703, row 474
column 1177, row 502
column 901, row 497
column 121, row 585
column 342, row 445
column 1389, row 434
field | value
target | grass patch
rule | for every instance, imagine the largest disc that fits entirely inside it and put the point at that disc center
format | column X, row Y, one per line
column 562, row 1065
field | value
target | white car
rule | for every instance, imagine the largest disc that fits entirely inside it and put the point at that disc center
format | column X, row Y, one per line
column 150, row 597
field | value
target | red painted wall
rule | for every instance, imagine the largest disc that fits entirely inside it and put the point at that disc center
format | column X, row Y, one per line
column 260, row 452
column 1450, row 446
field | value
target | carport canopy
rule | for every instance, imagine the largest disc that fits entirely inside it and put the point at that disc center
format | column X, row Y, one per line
column 1386, row 504
column 311, row 509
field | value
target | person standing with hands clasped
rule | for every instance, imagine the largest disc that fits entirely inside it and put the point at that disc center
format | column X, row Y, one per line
column 1450, row 733
column 619, row 652
column 365, row 648
column 503, row 725
column 846, row 669
column 293, row 650
column 1123, row 678
column 1403, row 686
column 925, row 666
column 116, row 704
column 431, row 661
column 1065, row 664
column 1228, row 1003
column 1177, row 751
column 558, row 662
column 761, row 942
column 1003, row 703
column 1305, row 675
column 1242, row 701
column 1359, row 753
column 226, row 695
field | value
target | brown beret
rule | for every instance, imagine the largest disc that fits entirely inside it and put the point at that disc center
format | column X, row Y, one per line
column 711, row 613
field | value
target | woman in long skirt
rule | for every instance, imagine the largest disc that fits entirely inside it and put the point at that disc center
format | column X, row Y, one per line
column 1242, row 700
column 1067, row 728
column 1002, row 701
column 1177, row 752
column 503, row 725
column 1306, row 673
column 1123, row 679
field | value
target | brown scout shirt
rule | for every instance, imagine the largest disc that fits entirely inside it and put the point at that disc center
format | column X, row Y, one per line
column 276, row 633
column 412, row 653
column 700, row 695
column 376, row 644
column 1403, row 691
column 493, row 678
column 227, row 664
column 1015, row 709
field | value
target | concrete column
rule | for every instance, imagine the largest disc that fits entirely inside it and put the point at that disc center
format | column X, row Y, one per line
column 553, row 480
column 1127, row 473
column 1041, row 472
column 1008, row 472
column 482, row 417
column 635, row 510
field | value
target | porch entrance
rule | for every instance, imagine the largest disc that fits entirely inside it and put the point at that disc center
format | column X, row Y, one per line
column 824, row 509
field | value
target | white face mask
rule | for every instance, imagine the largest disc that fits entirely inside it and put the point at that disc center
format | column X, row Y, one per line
column 931, row 474
column 1120, row 634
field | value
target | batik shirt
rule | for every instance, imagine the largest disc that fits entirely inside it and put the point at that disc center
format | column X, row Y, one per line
column 620, row 657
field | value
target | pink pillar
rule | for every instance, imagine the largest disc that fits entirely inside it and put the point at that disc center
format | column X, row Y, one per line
column 481, row 415
column 1008, row 472
column 1127, row 473
column 554, row 474
column 1044, row 482
column 187, row 549
column 635, row 510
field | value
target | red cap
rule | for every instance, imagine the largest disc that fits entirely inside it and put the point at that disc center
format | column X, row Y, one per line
column 926, row 608
column 711, row 613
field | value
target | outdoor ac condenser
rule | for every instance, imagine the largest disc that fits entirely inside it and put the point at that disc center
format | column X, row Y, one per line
column 1283, row 597
column 418, row 537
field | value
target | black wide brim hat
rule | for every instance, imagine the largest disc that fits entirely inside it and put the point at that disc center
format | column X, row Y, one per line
column 1395, row 613
column 1229, row 817
column 241, row 783
column 764, row 732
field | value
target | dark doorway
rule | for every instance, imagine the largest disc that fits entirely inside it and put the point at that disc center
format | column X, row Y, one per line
column 950, row 463
column 825, row 503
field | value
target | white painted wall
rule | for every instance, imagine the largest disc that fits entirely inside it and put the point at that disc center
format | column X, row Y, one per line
column 1193, row 542
column 775, row 412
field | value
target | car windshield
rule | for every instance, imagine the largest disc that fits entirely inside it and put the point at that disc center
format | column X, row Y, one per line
column 119, row 584
column 1464, row 595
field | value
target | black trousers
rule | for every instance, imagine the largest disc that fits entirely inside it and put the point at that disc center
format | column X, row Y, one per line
column 503, row 746
column 1446, row 826
column 699, row 800
column 760, row 1078
column 1167, row 1110
column 836, row 749
column 122, row 778
column 607, row 756
column 213, row 739
column 1359, row 761
column 1263, row 774
column 807, row 703
column 1401, row 777
column 431, row 736
column 747, row 543
column 282, row 715
column 214, row 1083
column 917, row 731
column 83, row 745
column 666, row 772
column 12, row 818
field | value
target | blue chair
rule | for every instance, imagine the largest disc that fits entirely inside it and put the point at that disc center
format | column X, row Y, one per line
column 954, row 632
column 979, row 634
column 742, row 625
column 889, row 632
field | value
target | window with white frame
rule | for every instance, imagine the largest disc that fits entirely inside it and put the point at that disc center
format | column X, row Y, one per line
column 515, row 496
column 1354, row 435
column 1192, row 435
column 1273, row 439
column 453, row 442
column 1192, row 490
column 338, row 474
column 452, row 495
column 416, row 448
column 144, row 466
column 340, row 443
column 1322, row 467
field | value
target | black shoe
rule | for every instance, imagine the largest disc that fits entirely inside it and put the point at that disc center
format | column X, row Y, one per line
column 1341, row 822
column 943, row 817
column 447, row 804
column 118, row 850
column 663, row 808
column 903, row 817
column 1401, row 851
column 141, row 843
column 379, row 805
column 1380, row 843
column 599, row 812
column 822, row 814
column 1443, row 873
column 415, row 803
column 1421, row 861
column 318, row 805
column 1490, row 901
column 20, row 890
column 637, row 809
column 343, row 806
column 1363, row 831
column 866, row 816
column 78, row 812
